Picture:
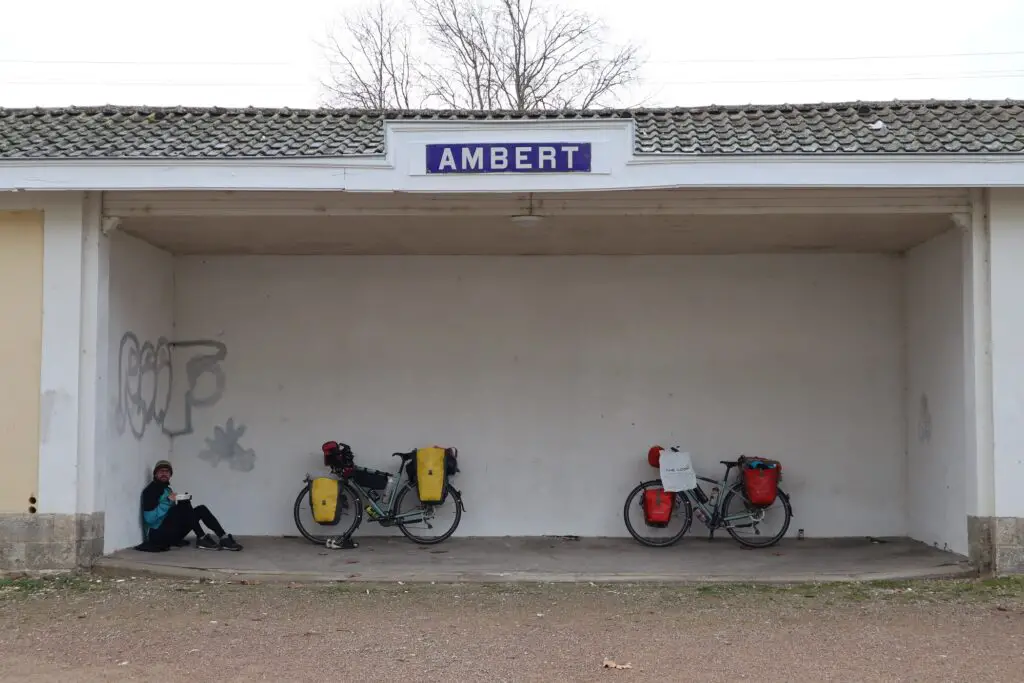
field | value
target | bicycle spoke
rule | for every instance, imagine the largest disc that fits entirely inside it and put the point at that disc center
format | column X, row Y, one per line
column 426, row 523
column 319, row 533
column 656, row 536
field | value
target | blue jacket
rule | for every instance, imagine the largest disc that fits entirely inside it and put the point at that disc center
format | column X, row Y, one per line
column 156, row 502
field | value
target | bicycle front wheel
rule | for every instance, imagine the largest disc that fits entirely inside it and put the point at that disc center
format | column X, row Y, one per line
column 659, row 537
column 434, row 516
column 753, row 526
column 351, row 516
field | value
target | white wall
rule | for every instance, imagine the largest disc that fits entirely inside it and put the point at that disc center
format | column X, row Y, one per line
column 141, row 304
column 552, row 376
column 936, row 438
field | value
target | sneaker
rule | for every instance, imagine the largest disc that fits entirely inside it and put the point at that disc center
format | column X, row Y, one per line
column 229, row 543
column 341, row 543
column 207, row 542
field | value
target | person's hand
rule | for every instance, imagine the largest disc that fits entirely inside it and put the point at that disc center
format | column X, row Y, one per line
column 173, row 497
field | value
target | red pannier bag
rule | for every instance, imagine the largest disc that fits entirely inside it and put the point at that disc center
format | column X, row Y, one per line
column 654, row 456
column 761, row 480
column 657, row 507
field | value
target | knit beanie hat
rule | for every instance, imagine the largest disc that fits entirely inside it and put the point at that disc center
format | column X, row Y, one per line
column 161, row 464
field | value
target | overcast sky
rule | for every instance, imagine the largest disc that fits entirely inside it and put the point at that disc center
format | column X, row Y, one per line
column 261, row 53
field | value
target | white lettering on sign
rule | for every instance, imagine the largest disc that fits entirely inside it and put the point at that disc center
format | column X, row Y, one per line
column 509, row 157
column 546, row 154
column 570, row 150
column 522, row 161
column 448, row 160
column 473, row 160
column 499, row 158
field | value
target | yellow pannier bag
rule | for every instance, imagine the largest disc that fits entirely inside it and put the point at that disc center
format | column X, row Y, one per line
column 325, row 499
column 430, row 475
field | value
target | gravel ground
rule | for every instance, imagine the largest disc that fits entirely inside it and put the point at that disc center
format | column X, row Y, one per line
column 146, row 629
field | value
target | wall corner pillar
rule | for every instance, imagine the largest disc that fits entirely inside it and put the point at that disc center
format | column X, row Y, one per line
column 53, row 519
column 996, row 405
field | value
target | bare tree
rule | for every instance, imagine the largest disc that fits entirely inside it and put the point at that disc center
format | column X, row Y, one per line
column 371, row 65
column 482, row 54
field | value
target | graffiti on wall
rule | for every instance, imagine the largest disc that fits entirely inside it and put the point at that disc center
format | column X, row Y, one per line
column 145, row 382
column 224, row 447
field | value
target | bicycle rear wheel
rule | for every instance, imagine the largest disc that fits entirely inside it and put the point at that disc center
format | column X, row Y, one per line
column 682, row 516
column 747, row 532
column 351, row 516
column 433, row 515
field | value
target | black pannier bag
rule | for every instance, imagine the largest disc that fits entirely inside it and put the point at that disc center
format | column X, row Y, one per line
column 374, row 480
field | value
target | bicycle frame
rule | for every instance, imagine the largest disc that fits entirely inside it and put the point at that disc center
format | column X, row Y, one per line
column 714, row 514
column 383, row 515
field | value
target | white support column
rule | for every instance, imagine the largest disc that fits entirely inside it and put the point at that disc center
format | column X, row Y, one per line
column 1006, row 263
column 93, row 367
column 977, row 306
column 977, row 310
column 61, row 371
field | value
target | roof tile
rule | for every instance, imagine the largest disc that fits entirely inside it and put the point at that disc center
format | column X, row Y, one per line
column 913, row 127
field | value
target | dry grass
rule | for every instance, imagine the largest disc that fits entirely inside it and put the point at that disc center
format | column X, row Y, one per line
column 144, row 629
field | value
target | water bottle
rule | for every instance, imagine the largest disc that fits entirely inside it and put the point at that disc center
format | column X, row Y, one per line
column 371, row 512
column 388, row 489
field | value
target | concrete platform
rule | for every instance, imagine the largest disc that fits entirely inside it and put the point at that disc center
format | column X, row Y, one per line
column 548, row 559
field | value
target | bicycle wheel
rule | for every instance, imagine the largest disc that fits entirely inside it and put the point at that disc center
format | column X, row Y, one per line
column 682, row 512
column 452, row 504
column 757, row 516
column 304, row 521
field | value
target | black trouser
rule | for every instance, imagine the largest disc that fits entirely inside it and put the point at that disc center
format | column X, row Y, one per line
column 181, row 519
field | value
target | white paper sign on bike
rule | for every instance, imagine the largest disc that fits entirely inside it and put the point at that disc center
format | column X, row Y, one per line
column 677, row 473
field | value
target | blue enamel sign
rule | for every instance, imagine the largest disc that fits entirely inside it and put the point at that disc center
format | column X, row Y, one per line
column 509, row 157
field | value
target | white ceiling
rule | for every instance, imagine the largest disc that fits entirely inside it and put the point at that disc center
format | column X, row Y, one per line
column 636, row 222
column 562, row 235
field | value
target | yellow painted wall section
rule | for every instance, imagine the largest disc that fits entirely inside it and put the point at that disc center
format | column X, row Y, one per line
column 21, row 339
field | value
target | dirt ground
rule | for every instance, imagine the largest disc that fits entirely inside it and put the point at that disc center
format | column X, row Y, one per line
column 85, row 629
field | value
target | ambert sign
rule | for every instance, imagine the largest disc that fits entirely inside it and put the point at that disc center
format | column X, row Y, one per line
column 509, row 157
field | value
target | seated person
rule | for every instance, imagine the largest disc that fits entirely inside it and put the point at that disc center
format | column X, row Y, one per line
column 168, row 521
